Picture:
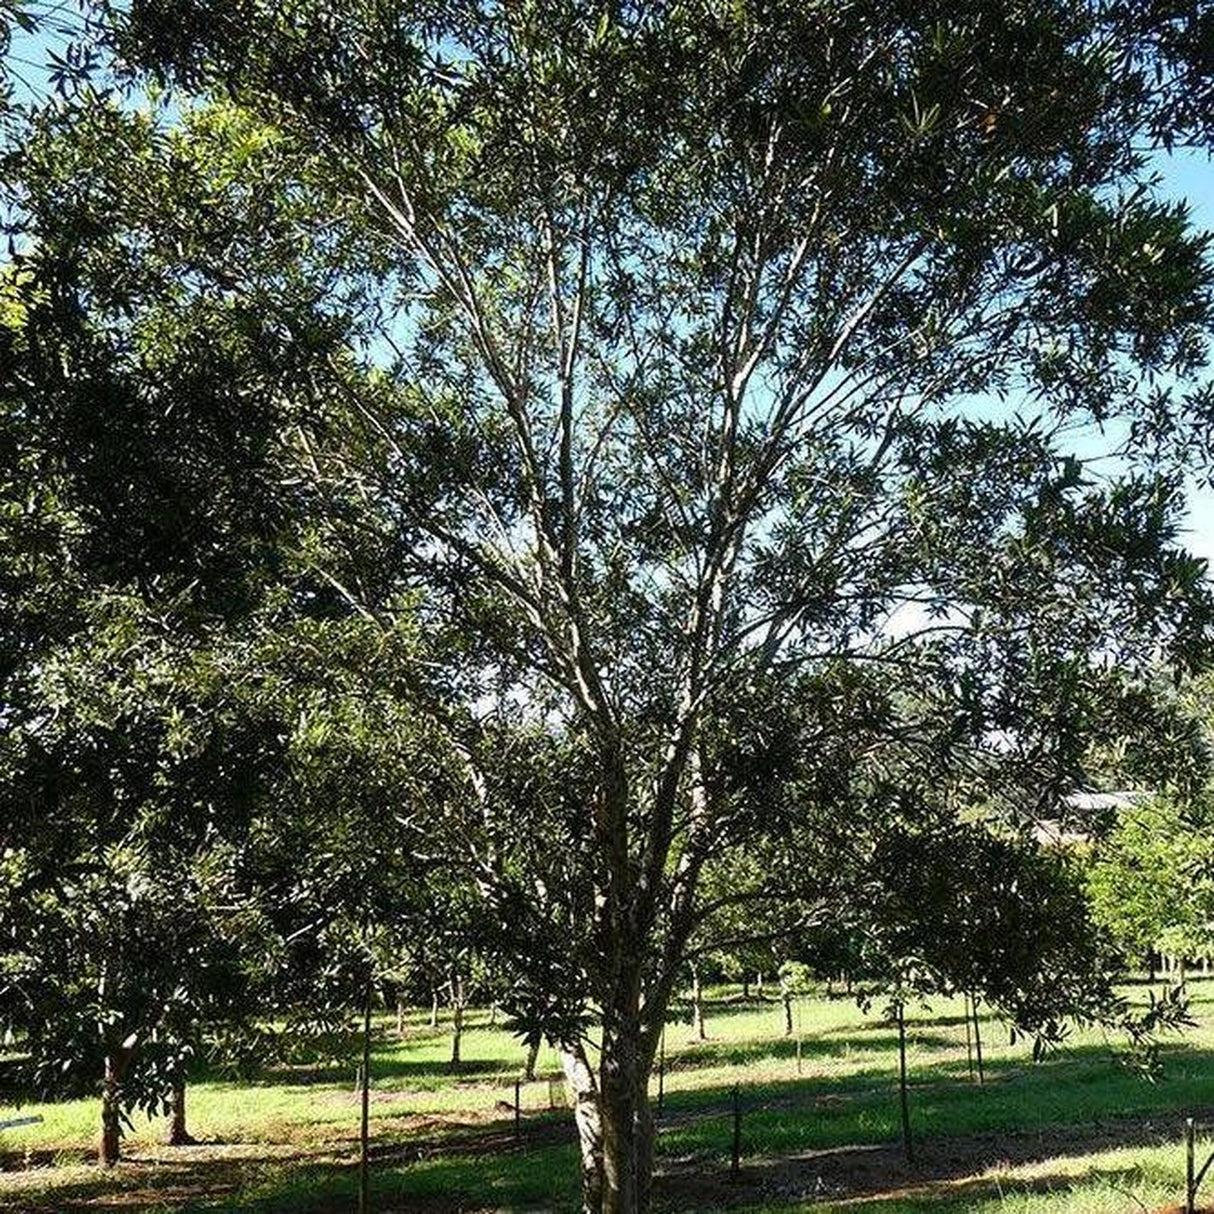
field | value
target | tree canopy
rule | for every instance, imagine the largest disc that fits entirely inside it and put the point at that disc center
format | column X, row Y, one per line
column 773, row 414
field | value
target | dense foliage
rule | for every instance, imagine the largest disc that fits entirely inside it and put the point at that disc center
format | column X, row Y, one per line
column 745, row 431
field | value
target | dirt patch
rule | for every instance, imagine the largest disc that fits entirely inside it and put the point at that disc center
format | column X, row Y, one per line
column 941, row 1167
column 43, row 1157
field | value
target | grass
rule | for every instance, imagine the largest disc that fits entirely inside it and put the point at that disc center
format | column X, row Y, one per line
column 1077, row 1133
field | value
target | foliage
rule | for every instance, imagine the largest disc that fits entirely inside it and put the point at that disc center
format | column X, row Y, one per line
column 125, row 785
column 726, row 395
column 1010, row 922
column 206, row 753
column 1152, row 878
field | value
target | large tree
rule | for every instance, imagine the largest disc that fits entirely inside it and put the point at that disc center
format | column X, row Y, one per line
column 723, row 343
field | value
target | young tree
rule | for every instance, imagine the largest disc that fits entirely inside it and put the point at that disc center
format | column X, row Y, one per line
column 727, row 341
column 127, row 776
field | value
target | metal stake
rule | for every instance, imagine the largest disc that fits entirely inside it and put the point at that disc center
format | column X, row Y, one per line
column 906, row 1130
column 1190, row 1182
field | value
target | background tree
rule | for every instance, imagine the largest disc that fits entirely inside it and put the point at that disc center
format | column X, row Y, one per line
column 1152, row 879
column 173, row 669
column 125, row 785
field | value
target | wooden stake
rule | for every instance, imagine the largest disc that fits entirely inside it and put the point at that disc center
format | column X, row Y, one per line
column 364, row 1135
column 906, row 1130
column 1190, row 1182
column 735, row 1164
column 977, row 1040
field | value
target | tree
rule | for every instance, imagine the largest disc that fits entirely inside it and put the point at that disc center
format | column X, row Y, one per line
column 162, row 702
column 751, row 916
column 1150, row 879
column 126, row 778
column 965, row 910
column 694, row 318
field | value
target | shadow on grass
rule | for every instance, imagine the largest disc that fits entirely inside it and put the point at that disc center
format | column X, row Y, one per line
column 490, row 1168
column 769, row 1190
column 463, row 1170
column 1081, row 1103
column 698, row 1054
column 471, row 1070
column 799, row 1136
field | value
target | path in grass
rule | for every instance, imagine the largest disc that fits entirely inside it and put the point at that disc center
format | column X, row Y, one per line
column 1076, row 1133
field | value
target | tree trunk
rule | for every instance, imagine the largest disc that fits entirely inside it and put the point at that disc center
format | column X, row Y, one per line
column 746, row 987
column 111, row 1112
column 614, row 1121
column 786, row 997
column 457, row 1032
column 644, row 1148
column 457, row 1019
column 977, row 1039
column 400, row 1017
column 620, row 1113
column 759, row 984
column 434, row 1009
column 697, row 1004
column 179, row 1135
column 533, row 1052
column 589, row 1124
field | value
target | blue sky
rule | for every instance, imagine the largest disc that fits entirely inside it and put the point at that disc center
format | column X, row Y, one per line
column 1191, row 176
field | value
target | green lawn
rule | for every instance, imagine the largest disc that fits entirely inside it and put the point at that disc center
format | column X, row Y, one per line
column 1078, row 1133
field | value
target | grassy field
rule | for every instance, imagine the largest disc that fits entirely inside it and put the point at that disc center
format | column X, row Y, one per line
column 1077, row 1133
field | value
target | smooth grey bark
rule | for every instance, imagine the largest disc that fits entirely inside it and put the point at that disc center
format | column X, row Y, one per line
column 614, row 1121
column 697, row 1004
column 586, row 1115
column 179, row 1134
column 110, row 1142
